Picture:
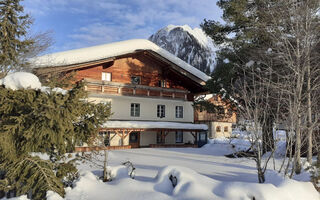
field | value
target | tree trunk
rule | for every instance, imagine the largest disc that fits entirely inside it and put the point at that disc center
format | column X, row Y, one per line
column 297, row 158
column 318, row 159
column 105, row 164
column 310, row 130
column 267, row 135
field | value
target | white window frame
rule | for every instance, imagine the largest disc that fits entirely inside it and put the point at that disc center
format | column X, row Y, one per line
column 179, row 111
column 161, row 111
column 135, row 109
column 162, row 83
column 106, row 76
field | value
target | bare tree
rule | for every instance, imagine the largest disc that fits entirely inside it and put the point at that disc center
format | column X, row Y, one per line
column 254, row 92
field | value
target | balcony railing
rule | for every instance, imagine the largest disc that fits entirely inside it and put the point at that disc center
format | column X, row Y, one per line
column 116, row 88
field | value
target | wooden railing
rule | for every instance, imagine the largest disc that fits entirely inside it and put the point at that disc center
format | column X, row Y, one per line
column 117, row 88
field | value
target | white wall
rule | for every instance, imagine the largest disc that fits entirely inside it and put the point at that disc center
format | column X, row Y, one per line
column 116, row 141
column 148, row 137
column 120, row 106
column 222, row 133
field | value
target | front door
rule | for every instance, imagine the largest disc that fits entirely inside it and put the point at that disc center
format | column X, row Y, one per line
column 134, row 139
column 202, row 138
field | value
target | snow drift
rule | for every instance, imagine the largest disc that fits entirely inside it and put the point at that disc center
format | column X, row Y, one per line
column 189, row 185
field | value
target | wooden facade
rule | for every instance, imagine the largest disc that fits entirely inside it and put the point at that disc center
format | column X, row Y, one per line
column 145, row 65
column 219, row 125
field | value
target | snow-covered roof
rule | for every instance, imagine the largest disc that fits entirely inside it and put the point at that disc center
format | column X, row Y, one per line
column 153, row 125
column 99, row 52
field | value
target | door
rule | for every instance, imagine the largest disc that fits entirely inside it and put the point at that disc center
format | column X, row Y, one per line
column 134, row 139
column 202, row 138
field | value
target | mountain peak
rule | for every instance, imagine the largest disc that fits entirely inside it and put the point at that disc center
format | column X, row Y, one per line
column 190, row 45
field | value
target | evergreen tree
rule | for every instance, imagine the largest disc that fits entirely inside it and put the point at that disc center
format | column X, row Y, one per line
column 47, row 122
column 241, row 39
column 13, row 31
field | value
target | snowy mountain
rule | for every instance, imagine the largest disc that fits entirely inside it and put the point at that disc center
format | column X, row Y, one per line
column 190, row 45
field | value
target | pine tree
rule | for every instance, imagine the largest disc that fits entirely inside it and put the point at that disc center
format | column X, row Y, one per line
column 13, row 31
column 47, row 122
column 242, row 39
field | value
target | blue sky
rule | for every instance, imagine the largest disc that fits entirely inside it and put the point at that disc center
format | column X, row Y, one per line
column 82, row 23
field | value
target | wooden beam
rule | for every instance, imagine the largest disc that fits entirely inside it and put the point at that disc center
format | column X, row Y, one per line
column 166, row 132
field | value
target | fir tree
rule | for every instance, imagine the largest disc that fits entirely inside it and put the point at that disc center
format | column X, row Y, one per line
column 47, row 122
column 13, row 31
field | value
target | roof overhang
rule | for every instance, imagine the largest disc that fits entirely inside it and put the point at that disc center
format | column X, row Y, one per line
column 151, row 125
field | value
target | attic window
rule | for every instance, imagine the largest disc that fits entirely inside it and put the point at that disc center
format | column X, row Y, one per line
column 162, row 83
column 106, row 76
column 135, row 80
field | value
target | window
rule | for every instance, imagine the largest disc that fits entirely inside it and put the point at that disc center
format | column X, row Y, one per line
column 135, row 80
column 179, row 111
column 106, row 76
column 218, row 129
column 225, row 129
column 160, row 137
column 179, row 136
column 162, row 83
column 106, row 137
column 161, row 111
column 134, row 137
column 135, row 110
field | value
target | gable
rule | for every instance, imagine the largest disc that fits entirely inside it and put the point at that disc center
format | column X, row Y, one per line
column 101, row 53
column 150, row 68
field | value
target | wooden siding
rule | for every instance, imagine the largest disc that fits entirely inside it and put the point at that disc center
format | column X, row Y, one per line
column 122, row 69
column 204, row 116
column 116, row 88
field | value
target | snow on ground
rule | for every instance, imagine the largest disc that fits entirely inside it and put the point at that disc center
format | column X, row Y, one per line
column 202, row 173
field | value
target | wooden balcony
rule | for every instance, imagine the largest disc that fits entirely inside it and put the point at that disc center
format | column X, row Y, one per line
column 116, row 88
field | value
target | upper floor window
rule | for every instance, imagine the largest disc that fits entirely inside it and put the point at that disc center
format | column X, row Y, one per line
column 161, row 111
column 135, row 110
column 136, row 80
column 162, row 83
column 179, row 111
column 106, row 76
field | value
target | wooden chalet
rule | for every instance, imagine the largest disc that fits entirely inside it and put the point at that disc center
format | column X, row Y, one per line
column 150, row 90
column 219, row 124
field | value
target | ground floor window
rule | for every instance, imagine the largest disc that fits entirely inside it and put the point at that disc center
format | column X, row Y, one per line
column 225, row 129
column 160, row 137
column 179, row 136
column 106, row 137
column 133, row 137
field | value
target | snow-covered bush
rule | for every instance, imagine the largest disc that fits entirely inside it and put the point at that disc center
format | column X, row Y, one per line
column 21, row 80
